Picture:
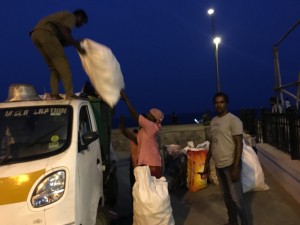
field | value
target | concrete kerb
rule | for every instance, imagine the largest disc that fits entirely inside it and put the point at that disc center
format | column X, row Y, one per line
column 282, row 168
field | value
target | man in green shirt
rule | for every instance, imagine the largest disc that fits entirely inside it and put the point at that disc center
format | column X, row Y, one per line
column 50, row 35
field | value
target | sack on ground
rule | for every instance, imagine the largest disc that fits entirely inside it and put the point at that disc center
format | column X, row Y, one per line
column 174, row 161
column 195, row 165
column 252, row 174
column 151, row 200
column 104, row 71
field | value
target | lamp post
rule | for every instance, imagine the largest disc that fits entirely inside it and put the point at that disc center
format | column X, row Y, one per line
column 216, row 41
column 211, row 13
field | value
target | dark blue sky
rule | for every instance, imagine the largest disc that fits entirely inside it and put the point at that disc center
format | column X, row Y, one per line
column 164, row 48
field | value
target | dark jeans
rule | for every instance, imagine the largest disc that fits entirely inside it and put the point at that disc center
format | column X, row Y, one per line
column 234, row 199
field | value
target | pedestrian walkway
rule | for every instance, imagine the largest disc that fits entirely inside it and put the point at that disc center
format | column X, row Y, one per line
column 271, row 207
column 205, row 207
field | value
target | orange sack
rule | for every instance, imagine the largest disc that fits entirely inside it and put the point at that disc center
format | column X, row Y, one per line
column 195, row 165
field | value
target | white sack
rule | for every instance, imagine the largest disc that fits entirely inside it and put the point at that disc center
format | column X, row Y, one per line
column 252, row 174
column 151, row 200
column 104, row 71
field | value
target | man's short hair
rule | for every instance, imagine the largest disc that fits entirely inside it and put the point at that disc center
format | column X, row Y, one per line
column 82, row 13
column 221, row 94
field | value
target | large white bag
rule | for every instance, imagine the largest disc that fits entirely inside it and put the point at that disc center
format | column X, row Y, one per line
column 252, row 174
column 103, row 69
column 151, row 200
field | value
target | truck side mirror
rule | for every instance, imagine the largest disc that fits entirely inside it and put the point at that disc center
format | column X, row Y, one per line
column 90, row 137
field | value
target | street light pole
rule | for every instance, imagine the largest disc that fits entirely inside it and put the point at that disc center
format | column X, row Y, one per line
column 211, row 13
column 216, row 41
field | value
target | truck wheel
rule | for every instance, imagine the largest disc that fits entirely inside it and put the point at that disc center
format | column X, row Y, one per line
column 102, row 217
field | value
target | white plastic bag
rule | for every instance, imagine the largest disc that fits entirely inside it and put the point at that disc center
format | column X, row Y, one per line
column 104, row 71
column 252, row 174
column 151, row 200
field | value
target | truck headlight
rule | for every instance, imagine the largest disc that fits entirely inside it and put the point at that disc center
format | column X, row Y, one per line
column 49, row 190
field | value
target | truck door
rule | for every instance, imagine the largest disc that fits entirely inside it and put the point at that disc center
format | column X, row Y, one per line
column 89, row 170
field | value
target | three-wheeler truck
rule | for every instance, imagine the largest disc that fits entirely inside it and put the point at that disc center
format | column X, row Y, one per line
column 55, row 165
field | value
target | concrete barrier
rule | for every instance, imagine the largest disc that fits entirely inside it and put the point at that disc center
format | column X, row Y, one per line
column 171, row 134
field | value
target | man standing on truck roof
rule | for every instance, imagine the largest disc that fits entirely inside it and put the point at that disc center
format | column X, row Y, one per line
column 148, row 152
column 50, row 35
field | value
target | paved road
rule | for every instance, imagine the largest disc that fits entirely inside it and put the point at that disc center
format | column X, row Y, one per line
column 205, row 207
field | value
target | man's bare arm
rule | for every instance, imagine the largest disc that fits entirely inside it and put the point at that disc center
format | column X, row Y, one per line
column 238, row 140
column 132, row 110
column 130, row 135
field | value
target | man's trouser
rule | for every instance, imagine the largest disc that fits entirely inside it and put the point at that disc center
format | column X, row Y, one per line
column 54, row 55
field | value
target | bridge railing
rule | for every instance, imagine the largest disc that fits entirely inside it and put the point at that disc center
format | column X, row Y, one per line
column 281, row 130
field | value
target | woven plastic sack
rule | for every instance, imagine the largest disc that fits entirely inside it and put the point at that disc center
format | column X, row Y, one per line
column 212, row 176
column 195, row 166
column 252, row 174
column 104, row 71
column 151, row 200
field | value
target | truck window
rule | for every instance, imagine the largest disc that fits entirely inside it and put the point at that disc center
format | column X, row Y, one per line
column 84, row 126
column 34, row 132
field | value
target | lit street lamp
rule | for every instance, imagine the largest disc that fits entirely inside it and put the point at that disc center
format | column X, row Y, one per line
column 211, row 13
column 217, row 41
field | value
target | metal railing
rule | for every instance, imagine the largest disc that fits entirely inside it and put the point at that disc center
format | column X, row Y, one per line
column 281, row 130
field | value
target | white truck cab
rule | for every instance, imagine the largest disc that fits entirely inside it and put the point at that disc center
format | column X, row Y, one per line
column 51, row 169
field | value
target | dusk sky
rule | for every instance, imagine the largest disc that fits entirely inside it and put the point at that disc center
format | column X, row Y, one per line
column 165, row 49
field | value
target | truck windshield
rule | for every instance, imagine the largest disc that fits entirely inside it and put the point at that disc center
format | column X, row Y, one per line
column 34, row 132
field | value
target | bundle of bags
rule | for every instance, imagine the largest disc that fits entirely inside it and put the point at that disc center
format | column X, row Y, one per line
column 252, row 174
column 174, row 166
